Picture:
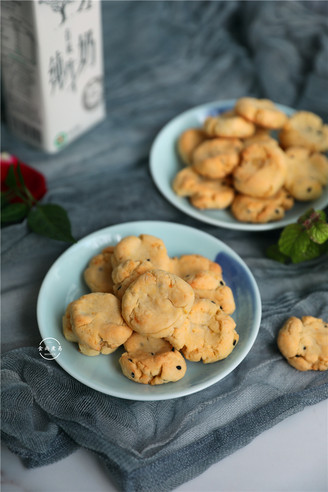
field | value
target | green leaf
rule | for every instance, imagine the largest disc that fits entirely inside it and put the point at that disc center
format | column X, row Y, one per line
column 307, row 252
column 274, row 253
column 51, row 221
column 13, row 212
column 20, row 176
column 318, row 232
column 289, row 237
column 10, row 180
column 5, row 198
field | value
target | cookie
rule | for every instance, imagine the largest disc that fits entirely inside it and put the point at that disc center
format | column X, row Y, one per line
column 261, row 210
column 188, row 265
column 307, row 173
column 186, row 182
column 210, row 285
column 261, row 112
column 261, row 172
column 144, row 247
column 216, row 158
column 187, row 143
column 67, row 325
column 152, row 361
column 228, row 126
column 98, row 274
column 127, row 272
column 204, row 193
column 94, row 321
column 156, row 302
column 216, row 196
column 260, row 136
column 208, row 334
column 304, row 343
column 305, row 129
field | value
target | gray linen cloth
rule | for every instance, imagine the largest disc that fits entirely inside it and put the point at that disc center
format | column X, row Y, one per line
column 162, row 58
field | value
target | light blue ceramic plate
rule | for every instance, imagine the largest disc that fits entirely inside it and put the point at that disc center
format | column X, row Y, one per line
column 164, row 165
column 64, row 283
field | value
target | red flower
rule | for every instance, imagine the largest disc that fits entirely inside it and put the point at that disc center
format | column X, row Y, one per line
column 34, row 180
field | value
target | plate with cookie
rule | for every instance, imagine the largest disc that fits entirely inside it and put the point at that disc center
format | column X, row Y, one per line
column 246, row 164
column 149, row 310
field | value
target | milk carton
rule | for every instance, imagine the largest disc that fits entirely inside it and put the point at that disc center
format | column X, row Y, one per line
column 52, row 69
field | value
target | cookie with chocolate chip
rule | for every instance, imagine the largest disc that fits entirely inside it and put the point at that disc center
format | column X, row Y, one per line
column 307, row 173
column 151, row 361
column 304, row 343
column 305, row 129
column 261, row 210
column 210, row 285
column 207, row 335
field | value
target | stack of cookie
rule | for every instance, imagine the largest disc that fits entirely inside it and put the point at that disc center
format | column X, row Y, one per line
column 234, row 161
column 163, row 310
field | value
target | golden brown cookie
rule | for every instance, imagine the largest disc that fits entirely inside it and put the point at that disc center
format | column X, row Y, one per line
column 307, row 173
column 208, row 334
column 261, row 172
column 216, row 196
column 228, row 126
column 156, row 302
column 204, row 193
column 94, row 321
column 305, row 129
column 98, row 274
column 261, row 112
column 144, row 247
column 260, row 136
column 187, row 265
column 127, row 272
column 67, row 326
column 304, row 343
column 186, row 182
column 261, row 210
column 210, row 285
column 152, row 361
column 216, row 158
column 187, row 143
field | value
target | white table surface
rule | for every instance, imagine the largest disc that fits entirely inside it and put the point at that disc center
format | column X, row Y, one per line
column 291, row 456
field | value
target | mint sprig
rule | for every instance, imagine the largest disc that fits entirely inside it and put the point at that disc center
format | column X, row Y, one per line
column 48, row 220
column 305, row 240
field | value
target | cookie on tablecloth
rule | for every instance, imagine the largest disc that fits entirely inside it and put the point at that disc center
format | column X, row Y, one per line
column 304, row 343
